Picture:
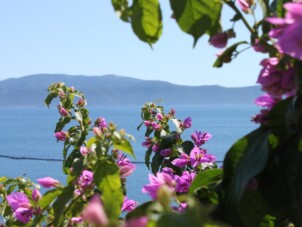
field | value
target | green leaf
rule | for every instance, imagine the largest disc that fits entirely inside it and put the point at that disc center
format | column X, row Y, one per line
column 197, row 17
column 146, row 20
column 45, row 201
column 124, row 145
column 247, row 161
column 121, row 9
column 204, row 178
column 107, row 180
column 157, row 161
column 60, row 204
column 61, row 123
column 91, row 141
column 2, row 179
column 227, row 55
column 147, row 156
column 187, row 147
column 280, row 11
column 49, row 98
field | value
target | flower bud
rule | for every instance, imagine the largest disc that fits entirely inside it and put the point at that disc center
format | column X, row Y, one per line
column 61, row 135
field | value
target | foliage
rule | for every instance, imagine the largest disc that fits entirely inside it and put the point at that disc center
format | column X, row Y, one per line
column 260, row 182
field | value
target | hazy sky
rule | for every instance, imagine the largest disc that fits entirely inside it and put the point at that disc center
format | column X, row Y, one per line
column 84, row 37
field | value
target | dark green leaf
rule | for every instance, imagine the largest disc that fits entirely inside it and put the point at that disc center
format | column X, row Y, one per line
column 121, row 9
column 62, row 122
column 146, row 20
column 157, row 161
column 49, row 98
column 147, row 157
column 60, row 204
column 197, row 17
column 280, row 11
column 107, row 180
column 168, row 140
column 227, row 55
column 45, row 201
column 204, row 178
column 187, row 147
column 247, row 161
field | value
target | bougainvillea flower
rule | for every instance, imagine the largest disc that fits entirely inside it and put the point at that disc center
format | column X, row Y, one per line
column 187, row 123
column 63, row 111
column 128, row 204
column 219, row 40
column 198, row 156
column 102, row 124
column 61, row 135
column 245, row 5
column 48, row 182
column 125, row 171
column 274, row 81
column 267, row 101
column 84, row 150
column 259, row 46
column 148, row 142
column 159, row 116
column 36, row 195
column 21, row 206
column 94, row 213
column 86, row 179
column 289, row 30
column 156, row 182
column 200, row 137
column 166, row 152
column 183, row 182
column 182, row 161
column 262, row 117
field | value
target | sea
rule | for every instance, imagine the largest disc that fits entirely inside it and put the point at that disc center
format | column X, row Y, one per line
column 27, row 135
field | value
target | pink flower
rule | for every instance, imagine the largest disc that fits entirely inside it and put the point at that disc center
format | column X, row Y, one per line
column 48, row 182
column 200, row 137
column 219, row 40
column 128, row 204
column 259, row 46
column 81, row 102
column 63, row 111
column 94, row 212
column 262, row 117
column 97, row 131
column 76, row 220
column 61, row 135
column 147, row 143
column 289, row 30
column 102, row 123
column 126, row 171
column 156, row 182
column 84, row 151
column 136, row 222
column 187, row 123
column 275, row 81
column 155, row 125
column 245, row 5
column 166, row 152
column 36, row 195
column 182, row 161
column 267, row 101
column 183, row 183
column 159, row 116
column 21, row 206
column 198, row 156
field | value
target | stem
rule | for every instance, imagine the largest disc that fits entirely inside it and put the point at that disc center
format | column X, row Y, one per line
column 247, row 25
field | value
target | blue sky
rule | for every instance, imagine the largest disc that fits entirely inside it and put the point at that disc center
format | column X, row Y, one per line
column 80, row 37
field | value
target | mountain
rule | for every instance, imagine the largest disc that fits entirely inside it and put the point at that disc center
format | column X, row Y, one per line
column 117, row 90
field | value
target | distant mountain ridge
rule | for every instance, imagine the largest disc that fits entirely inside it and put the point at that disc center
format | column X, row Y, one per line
column 118, row 90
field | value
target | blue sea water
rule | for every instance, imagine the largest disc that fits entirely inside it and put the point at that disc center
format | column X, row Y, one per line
column 28, row 132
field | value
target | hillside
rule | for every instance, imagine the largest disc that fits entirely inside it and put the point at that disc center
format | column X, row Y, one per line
column 117, row 90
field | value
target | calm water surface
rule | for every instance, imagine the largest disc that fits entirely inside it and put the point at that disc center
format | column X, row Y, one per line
column 28, row 132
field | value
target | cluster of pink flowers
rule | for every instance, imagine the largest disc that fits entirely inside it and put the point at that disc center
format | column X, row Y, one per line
column 84, row 182
column 126, row 167
column 23, row 210
column 288, row 30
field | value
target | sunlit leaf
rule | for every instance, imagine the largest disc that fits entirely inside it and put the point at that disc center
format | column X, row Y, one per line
column 146, row 20
column 205, row 178
column 197, row 17
column 107, row 179
column 124, row 145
